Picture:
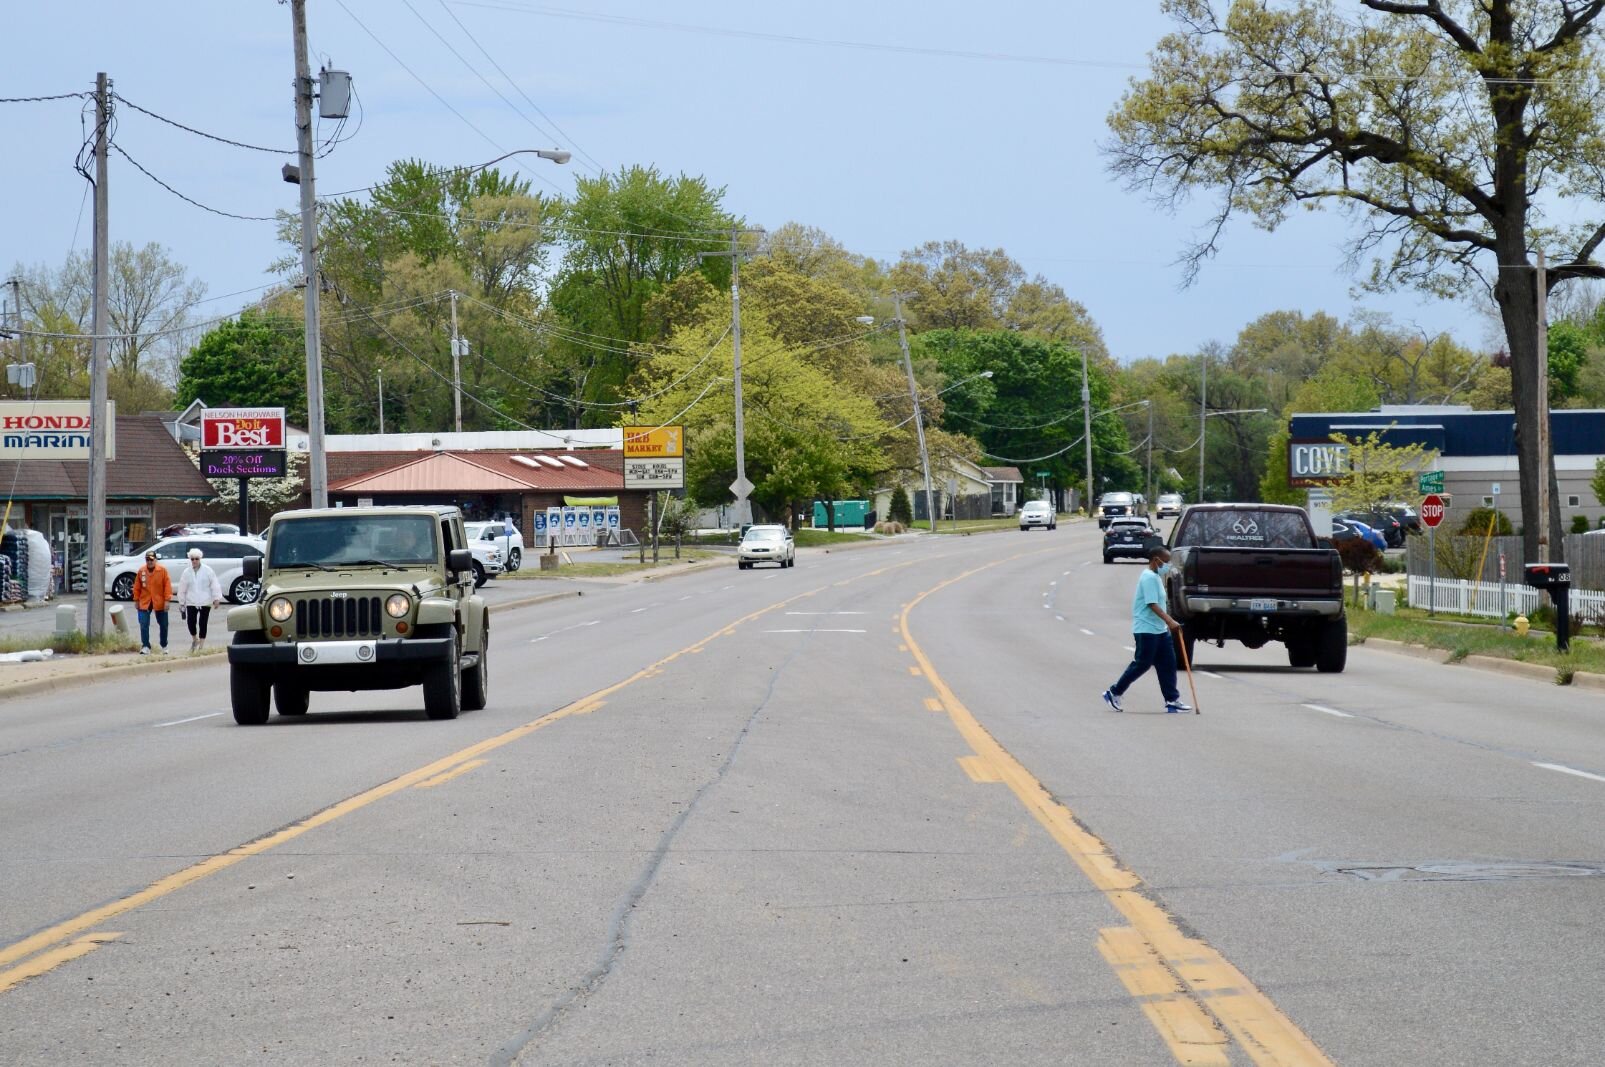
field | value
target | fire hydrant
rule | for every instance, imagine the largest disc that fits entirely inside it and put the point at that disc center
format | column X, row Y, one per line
column 1520, row 625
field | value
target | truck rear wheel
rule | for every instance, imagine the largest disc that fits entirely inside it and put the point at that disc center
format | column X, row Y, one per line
column 1301, row 652
column 1332, row 647
column 291, row 699
column 248, row 693
column 443, row 688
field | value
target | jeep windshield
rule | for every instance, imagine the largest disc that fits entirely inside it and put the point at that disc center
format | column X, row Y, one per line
column 361, row 540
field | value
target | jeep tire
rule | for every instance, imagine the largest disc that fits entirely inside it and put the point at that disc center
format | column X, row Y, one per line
column 1332, row 646
column 443, row 687
column 248, row 693
column 476, row 679
column 290, row 699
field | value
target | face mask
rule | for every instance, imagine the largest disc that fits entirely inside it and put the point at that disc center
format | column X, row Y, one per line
column 1164, row 569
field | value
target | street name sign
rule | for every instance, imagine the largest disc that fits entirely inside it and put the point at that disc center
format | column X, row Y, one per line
column 1429, row 482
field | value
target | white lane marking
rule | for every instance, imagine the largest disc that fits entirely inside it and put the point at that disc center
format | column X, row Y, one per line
column 636, row 611
column 1086, row 563
column 1066, row 574
column 722, row 588
column 827, row 613
column 192, row 718
column 1212, row 674
column 1086, row 631
column 1048, row 607
column 1054, row 582
column 688, row 596
column 1131, row 648
column 1329, row 711
column 1059, row 617
column 819, row 630
column 564, row 630
column 1563, row 769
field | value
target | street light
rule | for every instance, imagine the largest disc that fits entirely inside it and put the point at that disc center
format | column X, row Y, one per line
column 556, row 155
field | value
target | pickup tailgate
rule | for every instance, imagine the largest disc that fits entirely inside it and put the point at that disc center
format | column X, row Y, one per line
column 1282, row 573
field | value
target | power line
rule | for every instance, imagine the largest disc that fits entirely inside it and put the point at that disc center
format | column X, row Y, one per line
column 189, row 199
column 561, row 132
column 203, row 133
column 41, row 99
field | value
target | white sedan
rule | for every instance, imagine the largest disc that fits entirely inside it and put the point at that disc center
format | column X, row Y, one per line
column 1038, row 513
column 766, row 544
column 224, row 553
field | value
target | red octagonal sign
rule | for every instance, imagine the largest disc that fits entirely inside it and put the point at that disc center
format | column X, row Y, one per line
column 1432, row 509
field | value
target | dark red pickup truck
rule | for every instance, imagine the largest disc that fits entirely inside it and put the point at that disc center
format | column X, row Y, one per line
column 1256, row 573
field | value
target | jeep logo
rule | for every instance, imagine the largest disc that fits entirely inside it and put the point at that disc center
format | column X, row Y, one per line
column 339, row 594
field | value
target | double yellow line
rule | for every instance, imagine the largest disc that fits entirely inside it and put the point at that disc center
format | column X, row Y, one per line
column 1192, row 995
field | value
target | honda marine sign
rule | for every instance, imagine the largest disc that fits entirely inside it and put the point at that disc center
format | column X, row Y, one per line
column 242, row 443
column 51, row 429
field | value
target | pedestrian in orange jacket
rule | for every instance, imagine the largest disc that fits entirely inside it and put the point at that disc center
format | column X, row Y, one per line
column 153, row 588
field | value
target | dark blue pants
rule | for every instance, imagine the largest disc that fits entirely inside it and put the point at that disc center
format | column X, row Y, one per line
column 161, row 623
column 1153, row 650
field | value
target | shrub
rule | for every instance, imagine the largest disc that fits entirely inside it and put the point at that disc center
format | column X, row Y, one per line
column 889, row 527
column 1360, row 556
column 1476, row 522
column 1579, row 524
column 901, row 508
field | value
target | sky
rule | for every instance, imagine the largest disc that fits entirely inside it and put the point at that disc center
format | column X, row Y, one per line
column 853, row 117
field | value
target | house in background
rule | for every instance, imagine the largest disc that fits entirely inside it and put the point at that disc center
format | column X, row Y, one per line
column 963, row 490
column 1007, row 489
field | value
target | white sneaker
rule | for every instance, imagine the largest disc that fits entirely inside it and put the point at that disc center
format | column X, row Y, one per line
column 145, row 651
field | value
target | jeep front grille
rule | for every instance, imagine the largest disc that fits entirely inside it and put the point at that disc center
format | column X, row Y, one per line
column 356, row 616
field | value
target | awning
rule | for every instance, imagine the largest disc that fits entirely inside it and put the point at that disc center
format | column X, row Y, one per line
column 591, row 501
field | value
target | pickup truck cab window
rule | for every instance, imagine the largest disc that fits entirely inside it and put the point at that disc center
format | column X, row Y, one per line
column 1245, row 529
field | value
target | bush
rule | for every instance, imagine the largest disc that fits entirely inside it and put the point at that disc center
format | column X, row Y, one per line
column 1476, row 522
column 1579, row 524
column 901, row 508
column 889, row 527
column 1360, row 556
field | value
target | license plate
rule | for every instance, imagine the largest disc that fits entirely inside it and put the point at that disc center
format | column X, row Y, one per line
column 1262, row 605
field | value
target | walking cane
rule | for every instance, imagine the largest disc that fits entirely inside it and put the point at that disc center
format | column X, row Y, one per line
column 1181, row 646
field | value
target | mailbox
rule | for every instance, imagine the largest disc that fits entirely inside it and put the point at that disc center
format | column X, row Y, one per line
column 1547, row 575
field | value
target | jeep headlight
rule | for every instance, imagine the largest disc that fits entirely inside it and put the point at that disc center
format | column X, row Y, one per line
column 398, row 605
column 280, row 609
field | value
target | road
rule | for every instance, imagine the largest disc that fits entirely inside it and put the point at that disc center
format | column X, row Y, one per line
column 866, row 810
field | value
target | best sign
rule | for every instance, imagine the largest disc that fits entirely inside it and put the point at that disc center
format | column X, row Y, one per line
column 237, row 428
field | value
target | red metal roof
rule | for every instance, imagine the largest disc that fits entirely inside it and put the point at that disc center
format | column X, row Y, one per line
column 589, row 470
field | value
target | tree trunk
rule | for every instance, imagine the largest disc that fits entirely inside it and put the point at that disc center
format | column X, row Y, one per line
column 1517, row 296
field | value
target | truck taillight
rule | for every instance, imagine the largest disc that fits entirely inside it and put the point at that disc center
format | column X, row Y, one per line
column 1189, row 569
column 1337, row 570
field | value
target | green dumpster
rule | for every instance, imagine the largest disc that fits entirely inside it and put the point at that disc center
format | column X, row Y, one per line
column 849, row 513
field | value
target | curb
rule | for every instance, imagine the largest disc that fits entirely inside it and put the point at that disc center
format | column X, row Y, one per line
column 1535, row 671
column 1585, row 680
column 1400, row 648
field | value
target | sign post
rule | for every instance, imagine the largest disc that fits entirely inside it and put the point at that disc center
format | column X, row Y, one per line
column 1432, row 514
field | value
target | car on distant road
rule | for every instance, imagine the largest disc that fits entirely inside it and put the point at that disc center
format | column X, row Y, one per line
column 1169, row 505
column 1113, row 505
column 1354, row 529
column 1384, row 522
column 1132, row 538
column 1037, row 513
column 766, row 543
column 504, row 536
column 224, row 553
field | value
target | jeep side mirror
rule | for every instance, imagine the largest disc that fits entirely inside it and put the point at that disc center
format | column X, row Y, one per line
column 252, row 568
column 459, row 560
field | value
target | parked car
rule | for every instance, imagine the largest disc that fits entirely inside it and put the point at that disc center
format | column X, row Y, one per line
column 1111, row 505
column 1350, row 529
column 1132, row 537
column 1256, row 573
column 224, row 553
column 488, row 560
column 1406, row 515
column 1037, row 513
column 766, row 543
column 504, row 536
column 1169, row 505
column 184, row 529
column 1391, row 529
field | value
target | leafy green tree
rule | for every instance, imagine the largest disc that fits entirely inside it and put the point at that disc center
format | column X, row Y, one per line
column 1568, row 355
column 256, row 360
column 1330, row 390
column 1378, row 473
column 1597, row 483
column 1451, row 131
column 901, row 509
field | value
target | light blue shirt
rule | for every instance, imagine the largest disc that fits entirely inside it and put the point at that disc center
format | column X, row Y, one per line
column 1150, row 590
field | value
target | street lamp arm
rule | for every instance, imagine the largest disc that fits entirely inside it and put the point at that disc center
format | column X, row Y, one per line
column 556, row 155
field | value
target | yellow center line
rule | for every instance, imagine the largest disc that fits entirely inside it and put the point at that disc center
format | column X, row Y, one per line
column 83, row 946
column 71, row 928
column 442, row 779
column 1265, row 1034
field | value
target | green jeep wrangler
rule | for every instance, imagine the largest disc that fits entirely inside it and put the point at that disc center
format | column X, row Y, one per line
column 361, row 598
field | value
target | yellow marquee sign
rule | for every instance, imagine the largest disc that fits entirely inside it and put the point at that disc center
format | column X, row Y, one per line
column 654, row 442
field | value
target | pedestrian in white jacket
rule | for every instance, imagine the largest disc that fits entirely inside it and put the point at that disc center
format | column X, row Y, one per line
column 199, row 592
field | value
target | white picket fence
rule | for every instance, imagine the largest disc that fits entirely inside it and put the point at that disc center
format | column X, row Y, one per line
column 1483, row 598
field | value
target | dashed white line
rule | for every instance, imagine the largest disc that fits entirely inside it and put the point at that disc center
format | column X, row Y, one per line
column 1563, row 769
column 566, row 629
column 1212, row 674
column 1066, row 574
column 192, row 718
column 1085, row 563
column 1059, row 617
column 636, row 611
column 1054, row 582
column 688, row 596
column 1086, row 631
column 1131, row 648
column 1324, row 710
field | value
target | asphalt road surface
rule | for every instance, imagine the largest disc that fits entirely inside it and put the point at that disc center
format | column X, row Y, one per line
column 866, row 810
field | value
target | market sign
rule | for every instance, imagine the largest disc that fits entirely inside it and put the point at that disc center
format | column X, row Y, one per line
column 232, row 429
column 654, row 442
column 51, row 429
column 1316, row 462
column 221, row 463
column 654, row 457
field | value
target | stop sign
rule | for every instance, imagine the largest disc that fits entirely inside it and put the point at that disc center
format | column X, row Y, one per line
column 1432, row 509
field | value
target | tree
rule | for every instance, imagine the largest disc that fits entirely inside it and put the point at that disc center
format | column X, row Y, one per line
column 256, row 360
column 1378, row 473
column 955, row 287
column 1597, row 483
column 1330, row 390
column 1450, row 130
column 901, row 509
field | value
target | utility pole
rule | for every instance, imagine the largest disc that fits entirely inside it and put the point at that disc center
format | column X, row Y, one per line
column 1203, row 419
column 1542, row 387
column 317, row 464
column 96, row 607
column 16, row 315
column 1148, row 485
column 919, row 419
column 456, row 368
column 1086, row 427
column 741, row 488
column 381, row 400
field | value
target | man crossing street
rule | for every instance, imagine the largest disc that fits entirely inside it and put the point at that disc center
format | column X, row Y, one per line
column 1153, row 633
